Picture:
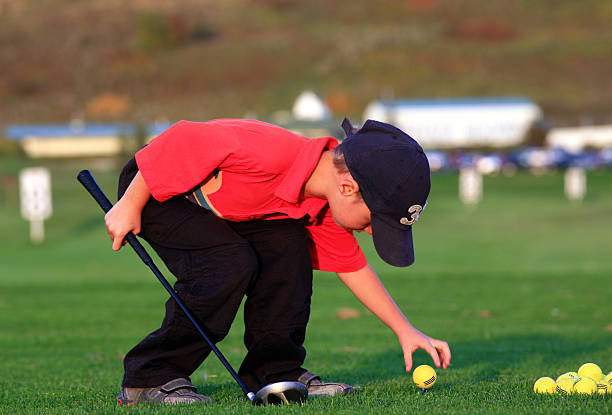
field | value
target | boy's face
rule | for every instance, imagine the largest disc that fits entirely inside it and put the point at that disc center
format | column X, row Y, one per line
column 348, row 208
column 352, row 214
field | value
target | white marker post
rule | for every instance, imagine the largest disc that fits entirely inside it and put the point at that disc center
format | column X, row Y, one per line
column 35, row 193
column 575, row 184
column 470, row 186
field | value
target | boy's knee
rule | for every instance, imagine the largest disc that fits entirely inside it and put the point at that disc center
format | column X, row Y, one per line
column 213, row 286
column 243, row 261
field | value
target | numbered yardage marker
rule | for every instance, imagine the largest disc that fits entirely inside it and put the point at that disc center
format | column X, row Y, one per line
column 470, row 186
column 35, row 194
column 575, row 184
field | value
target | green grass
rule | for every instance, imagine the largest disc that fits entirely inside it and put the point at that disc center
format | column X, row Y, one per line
column 519, row 286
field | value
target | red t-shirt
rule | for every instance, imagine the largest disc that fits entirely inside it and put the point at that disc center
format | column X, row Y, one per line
column 247, row 169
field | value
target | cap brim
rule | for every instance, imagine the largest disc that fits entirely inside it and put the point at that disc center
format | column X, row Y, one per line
column 393, row 245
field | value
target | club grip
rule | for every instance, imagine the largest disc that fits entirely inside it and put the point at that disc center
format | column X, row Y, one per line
column 89, row 183
column 94, row 190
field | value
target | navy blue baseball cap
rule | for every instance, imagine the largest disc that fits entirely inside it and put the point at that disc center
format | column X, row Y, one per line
column 392, row 172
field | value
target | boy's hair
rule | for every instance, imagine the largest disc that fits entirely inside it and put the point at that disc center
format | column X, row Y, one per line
column 338, row 159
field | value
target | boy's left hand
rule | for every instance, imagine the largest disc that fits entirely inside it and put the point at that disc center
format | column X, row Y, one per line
column 437, row 349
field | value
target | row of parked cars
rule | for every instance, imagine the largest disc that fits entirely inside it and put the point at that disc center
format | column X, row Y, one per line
column 532, row 158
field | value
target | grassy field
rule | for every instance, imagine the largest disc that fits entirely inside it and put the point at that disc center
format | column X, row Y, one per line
column 519, row 286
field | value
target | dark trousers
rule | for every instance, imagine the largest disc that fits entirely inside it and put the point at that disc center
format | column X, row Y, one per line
column 217, row 263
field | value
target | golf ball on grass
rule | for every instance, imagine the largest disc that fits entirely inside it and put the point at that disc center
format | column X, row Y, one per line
column 589, row 380
column 603, row 387
column 565, row 386
column 424, row 376
column 545, row 385
column 585, row 385
column 572, row 375
column 590, row 370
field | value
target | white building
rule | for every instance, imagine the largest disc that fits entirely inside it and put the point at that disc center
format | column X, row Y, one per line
column 460, row 123
column 576, row 139
column 309, row 107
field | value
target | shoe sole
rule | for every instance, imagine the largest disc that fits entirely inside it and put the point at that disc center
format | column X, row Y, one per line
column 126, row 402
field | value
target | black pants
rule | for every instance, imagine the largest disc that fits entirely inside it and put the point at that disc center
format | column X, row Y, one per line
column 217, row 263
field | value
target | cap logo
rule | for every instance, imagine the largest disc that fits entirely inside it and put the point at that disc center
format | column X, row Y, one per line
column 415, row 211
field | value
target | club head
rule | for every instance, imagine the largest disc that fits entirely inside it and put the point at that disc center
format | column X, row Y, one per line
column 280, row 393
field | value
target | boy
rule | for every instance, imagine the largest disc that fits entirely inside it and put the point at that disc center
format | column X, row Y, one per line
column 244, row 208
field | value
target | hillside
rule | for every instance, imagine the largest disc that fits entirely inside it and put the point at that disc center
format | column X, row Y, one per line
column 109, row 60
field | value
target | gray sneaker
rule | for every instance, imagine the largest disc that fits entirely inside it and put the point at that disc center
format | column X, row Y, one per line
column 174, row 392
column 317, row 388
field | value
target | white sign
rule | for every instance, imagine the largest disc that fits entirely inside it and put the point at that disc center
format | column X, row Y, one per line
column 575, row 183
column 470, row 186
column 35, row 194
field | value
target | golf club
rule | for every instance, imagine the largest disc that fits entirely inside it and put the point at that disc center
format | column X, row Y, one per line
column 274, row 393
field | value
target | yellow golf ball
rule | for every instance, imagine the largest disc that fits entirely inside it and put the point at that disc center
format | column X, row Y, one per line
column 572, row 375
column 603, row 387
column 590, row 370
column 585, row 385
column 424, row 376
column 565, row 386
column 545, row 385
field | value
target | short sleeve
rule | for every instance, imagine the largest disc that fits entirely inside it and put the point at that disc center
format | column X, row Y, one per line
column 184, row 155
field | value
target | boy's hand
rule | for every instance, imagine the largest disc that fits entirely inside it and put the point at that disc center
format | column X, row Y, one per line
column 121, row 220
column 124, row 217
column 437, row 349
column 369, row 290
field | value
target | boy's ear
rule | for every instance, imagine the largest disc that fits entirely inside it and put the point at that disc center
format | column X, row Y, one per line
column 347, row 185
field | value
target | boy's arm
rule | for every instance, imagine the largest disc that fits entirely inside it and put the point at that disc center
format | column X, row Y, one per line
column 366, row 286
column 124, row 217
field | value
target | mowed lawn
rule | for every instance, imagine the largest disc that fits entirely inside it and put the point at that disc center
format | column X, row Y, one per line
column 520, row 286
